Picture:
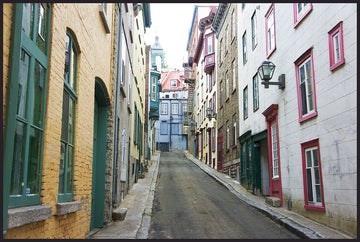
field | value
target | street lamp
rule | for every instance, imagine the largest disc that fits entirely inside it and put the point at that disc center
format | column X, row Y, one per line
column 209, row 114
column 266, row 72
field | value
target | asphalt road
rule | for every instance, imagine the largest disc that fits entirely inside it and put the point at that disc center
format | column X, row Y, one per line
column 189, row 204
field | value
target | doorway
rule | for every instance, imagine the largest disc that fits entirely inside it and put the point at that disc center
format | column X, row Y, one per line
column 99, row 155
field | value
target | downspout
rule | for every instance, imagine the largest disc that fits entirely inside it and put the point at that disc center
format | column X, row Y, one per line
column 116, row 134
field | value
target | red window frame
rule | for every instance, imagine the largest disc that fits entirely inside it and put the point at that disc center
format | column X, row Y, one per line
column 338, row 29
column 304, row 146
column 302, row 17
column 268, row 13
column 298, row 62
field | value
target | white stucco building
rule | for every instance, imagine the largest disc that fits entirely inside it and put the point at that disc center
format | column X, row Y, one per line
column 299, row 143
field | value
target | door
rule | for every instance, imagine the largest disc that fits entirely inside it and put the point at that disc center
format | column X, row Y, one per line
column 220, row 151
column 99, row 158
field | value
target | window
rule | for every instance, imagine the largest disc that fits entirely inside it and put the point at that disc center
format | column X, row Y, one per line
column 274, row 150
column 245, row 102
column 270, row 31
column 24, row 126
column 244, row 48
column 301, row 10
column 312, row 177
column 336, row 46
column 227, row 86
column 227, row 39
column 67, row 147
column 234, row 130
column 174, row 108
column 214, row 103
column 254, row 30
column 210, row 48
column 255, row 93
column 234, row 75
column 164, row 108
column 305, row 86
column 163, row 128
column 221, row 94
column 221, row 50
column 153, row 89
column 233, row 27
column 174, row 83
column 227, row 136
column 213, row 144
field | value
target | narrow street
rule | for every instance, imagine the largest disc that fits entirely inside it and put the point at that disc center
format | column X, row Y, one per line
column 189, row 204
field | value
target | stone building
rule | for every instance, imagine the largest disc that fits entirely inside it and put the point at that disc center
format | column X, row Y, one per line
column 57, row 92
column 225, row 26
column 298, row 141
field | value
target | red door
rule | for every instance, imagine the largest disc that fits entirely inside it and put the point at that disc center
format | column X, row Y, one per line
column 220, row 151
column 274, row 151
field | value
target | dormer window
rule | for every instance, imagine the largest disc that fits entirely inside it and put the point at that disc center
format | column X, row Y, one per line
column 174, row 83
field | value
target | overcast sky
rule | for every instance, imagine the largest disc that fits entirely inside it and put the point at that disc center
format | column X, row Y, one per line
column 172, row 22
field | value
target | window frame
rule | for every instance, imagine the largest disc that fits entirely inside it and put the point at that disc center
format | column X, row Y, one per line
column 233, row 25
column 245, row 102
column 153, row 89
column 337, row 30
column 299, row 18
column 227, row 136
column 270, row 12
column 21, row 42
column 172, row 82
column 254, row 40
column 164, row 108
column 306, row 146
column 67, row 196
column 298, row 63
column 234, row 131
column 255, row 92
column 175, row 106
column 227, row 85
column 234, row 76
column 244, row 48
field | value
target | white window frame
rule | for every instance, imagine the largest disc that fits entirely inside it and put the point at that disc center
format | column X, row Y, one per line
column 234, row 74
column 174, row 108
column 254, row 30
column 274, row 151
column 164, row 108
column 227, row 85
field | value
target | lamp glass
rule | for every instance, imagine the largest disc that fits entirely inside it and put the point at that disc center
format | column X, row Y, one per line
column 266, row 70
column 208, row 112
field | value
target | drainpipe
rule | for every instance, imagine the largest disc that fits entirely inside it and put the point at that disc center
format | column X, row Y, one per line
column 116, row 134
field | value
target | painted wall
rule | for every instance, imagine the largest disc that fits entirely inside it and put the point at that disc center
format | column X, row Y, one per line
column 335, row 124
column 84, row 20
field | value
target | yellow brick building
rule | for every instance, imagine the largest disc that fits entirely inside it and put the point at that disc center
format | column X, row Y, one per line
column 57, row 63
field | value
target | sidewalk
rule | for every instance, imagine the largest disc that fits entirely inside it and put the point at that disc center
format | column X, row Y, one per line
column 302, row 226
column 138, row 203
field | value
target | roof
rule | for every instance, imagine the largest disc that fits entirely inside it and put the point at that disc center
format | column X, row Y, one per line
column 219, row 17
column 177, row 75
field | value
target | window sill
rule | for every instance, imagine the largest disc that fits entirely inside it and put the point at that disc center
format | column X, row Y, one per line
column 234, row 147
column 25, row 215
column 104, row 19
column 227, row 150
column 221, row 107
column 335, row 66
column 271, row 52
column 316, row 208
column 227, row 99
column 233, row 90
column 310, row 116
column 67, row 207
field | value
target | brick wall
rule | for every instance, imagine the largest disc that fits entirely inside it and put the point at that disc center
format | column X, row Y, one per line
column 85, row 22
column 231, row 106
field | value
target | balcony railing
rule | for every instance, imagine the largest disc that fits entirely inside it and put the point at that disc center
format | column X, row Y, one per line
column 189, row 73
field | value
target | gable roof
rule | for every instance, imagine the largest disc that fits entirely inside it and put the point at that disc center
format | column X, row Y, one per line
column 166, row 78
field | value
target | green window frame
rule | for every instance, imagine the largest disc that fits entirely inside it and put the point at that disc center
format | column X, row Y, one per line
column 67, row 146
column 26, row 105
column 245, row 102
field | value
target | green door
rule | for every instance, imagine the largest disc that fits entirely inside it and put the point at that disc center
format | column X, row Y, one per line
column 99, row 159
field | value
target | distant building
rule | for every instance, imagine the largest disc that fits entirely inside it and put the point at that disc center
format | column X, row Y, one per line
column 173, row 100
column 158, row 61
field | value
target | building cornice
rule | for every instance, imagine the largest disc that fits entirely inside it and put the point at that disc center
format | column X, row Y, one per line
column 220, row 16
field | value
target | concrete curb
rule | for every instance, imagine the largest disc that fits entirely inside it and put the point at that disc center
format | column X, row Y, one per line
column 289, row 224
column 143, row 231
